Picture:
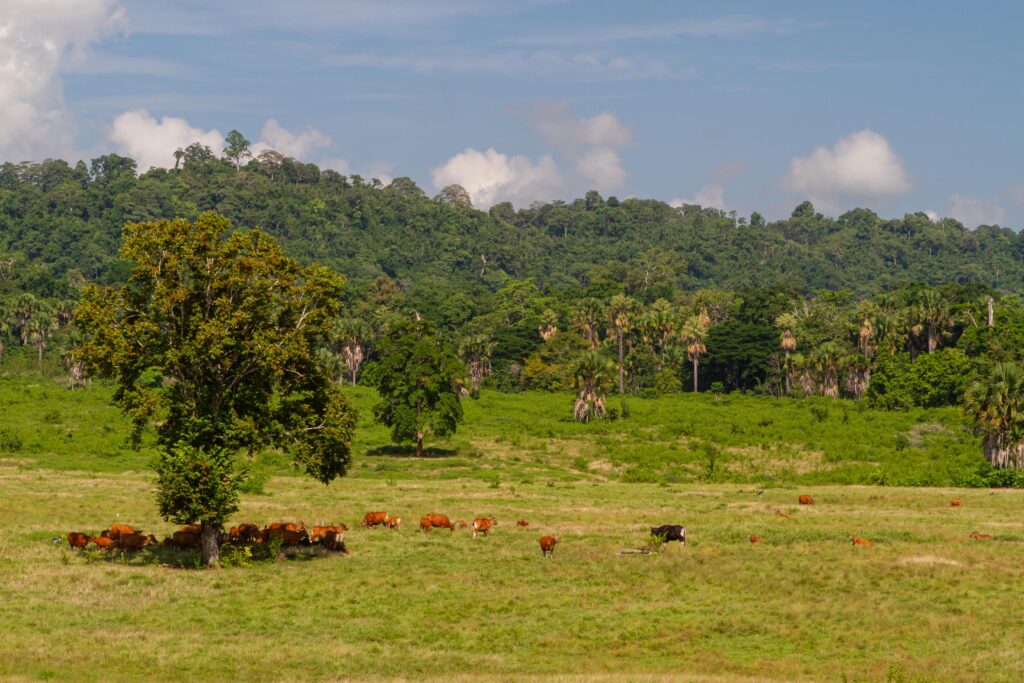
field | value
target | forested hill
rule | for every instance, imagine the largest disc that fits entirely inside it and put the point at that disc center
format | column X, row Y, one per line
column 60, row 224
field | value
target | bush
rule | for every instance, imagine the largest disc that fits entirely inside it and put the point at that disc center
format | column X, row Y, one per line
column 235, row 556
column 255, row 482
column 10, row 440
column 640, row 475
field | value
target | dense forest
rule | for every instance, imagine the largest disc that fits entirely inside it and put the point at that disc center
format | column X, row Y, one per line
column 591, row 295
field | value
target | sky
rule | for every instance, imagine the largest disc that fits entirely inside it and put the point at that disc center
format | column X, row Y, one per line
column 745, row 106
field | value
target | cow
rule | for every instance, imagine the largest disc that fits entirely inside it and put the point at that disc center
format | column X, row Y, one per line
column 860, row 541
column 318, row 533
column 806, row 499
column 980, row 537
column 78, row 540
column 547, row 545
column 394, row 523
column 334, row 540
column 134, row 541
column 483, row 525
column 440, row 522
column 425, row 524
column 185, row 539
column 522, row 522
column 118, row 530
column 294, row 537
column 103, row 542
column 670, row 532
column 956, row 503
column 248, row 533
column 754, row 538
column 375, row 519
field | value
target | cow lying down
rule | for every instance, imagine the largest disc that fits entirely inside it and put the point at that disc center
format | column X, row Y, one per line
column 670, row 532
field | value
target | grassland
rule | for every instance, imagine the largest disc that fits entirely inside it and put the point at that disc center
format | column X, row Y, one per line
column 924, row 603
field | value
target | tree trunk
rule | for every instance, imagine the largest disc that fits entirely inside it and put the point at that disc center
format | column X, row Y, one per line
column 208, row 543
column 932, row 341
column 789, row 373
column 419, row 445
column 622, row 389
column 696, row 382
column 991, row 312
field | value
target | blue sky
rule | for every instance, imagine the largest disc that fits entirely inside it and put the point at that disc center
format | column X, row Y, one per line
column 740, row 105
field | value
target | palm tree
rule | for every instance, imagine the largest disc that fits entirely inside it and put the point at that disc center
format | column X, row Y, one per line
column 6, row 325
column 694, row 335
column 803, row 368
column 475, row 351
column 586, row 320
column 826, row 359
column 351, row 335
column 621, row 311
column 39, row 328
column 997, row 407
column 932, row 315
column 592, row 373
column 548, row 325
column 887, row 334
column 787, row 321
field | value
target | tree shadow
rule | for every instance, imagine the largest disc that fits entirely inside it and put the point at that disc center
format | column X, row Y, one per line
column 396, row 451
column 193, row 559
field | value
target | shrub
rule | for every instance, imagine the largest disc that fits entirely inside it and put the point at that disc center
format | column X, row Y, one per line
column 10, row 440
column 236, row 556
column 255, row 482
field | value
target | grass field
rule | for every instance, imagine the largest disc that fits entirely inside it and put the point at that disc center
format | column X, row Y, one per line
column 923, row 603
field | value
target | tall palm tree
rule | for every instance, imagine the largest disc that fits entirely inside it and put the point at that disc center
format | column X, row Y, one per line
column 787, row 321
column 694, row 335
column 586, row 320
column 39, row 329
column 996, row 405
column 475, row 351
column 932, row 315
column 826, row 359
column 621, row 314
column 6, row 325
column 592, row 373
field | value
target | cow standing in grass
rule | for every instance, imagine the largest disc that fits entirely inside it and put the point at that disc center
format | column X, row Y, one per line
column 670, row 532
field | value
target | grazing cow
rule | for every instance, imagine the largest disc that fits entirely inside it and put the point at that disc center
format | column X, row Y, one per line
column 860, row 541
column 956, row 503
column 547, row 545
column 425, row 524
column 440, row 522
column 78, row 540
column 103, row 542
column 395, row 523
column 806, row 499
column 754, row 538
column 184, row 539
column 670, row 532
column 980, row 537
column 375, row 519
column 134, row 541
column 522, row 523
column 483, row 525
column 462, row 524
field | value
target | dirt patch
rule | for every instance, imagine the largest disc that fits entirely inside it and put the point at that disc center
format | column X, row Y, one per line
column 929, row 560
column 774, row 461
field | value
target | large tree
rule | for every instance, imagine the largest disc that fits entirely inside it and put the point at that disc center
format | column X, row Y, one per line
column 213, row 341
column 996, row 405
column 419, row 380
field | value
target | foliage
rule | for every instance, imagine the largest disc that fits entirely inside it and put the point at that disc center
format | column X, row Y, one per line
column 937, row 379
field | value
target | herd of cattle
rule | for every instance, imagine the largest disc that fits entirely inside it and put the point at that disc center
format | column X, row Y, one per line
column 331, row 537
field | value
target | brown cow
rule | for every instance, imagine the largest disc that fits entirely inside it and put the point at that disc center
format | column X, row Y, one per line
column 980, row 537
column 522, row 523
column 483, row 525
column 806, row 499
column 134, row 541
column 395, row 523
column 319, row 533
column 860, row 541
column 103, row 542
column 754, row 538
column 956, row 503
column 440, row 522
column 333, row 540
column 183, row 539
column 78, row 540
column 291, row 537
column 375, row 519
column 425, row 524
column 547, row 545
column 118, row 530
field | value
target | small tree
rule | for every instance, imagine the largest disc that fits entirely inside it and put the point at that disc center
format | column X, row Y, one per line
column 419, row 381
column 236, row 148
column 233, row 326
column 475, row 351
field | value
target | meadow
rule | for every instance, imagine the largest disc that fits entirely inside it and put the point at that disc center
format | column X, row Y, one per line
column 924, row 603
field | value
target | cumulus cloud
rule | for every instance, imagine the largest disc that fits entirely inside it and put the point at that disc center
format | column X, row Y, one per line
column 151, row 143
column 296, row 145
column 491, row 177
column 974, row 211
column 38, row 39
column 590, row 144
column 708, row 197
column 861, row 165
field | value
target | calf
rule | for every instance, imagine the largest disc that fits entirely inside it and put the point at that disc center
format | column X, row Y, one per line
column 522, row 523
column 425, row 524
column 670, row 532
column 754, row 538
column 484, row 525
column 395, row 523
column 806, row 499
column 103, row 542
column 860, row 541
column 375, row 519
column 547, row 545
column 956, row 503
column 980, row 537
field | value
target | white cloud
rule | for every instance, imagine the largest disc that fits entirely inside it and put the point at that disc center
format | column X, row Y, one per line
column 296, row 145
column 152, row 143
column 973, row 211
column 591, row 144
column 933, row 216
column 602, row 168
column 491, row 177
column 38, row 39
column 708, row 197
column 861, row 165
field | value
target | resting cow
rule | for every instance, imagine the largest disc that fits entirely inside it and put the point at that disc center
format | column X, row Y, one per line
column 670, row 532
